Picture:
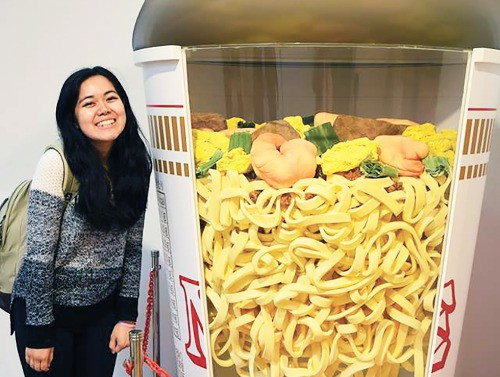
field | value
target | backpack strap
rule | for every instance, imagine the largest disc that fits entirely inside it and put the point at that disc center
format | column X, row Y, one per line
column 70, row 184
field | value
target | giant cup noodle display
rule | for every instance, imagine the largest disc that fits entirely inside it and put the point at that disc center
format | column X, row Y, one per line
column 319, row 202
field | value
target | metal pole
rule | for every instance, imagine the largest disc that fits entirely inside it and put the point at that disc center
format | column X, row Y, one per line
column 155, row 254
column 136, row 355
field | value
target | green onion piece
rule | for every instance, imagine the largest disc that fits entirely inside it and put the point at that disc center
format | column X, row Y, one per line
column 242, row 124
column 202, row 170
column 322, row 136
column 375, row 169
column 308, row 120
column 436, row 165
column 241, row 140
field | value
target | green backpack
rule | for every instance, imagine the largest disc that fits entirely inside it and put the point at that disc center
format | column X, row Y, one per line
column 13, row 222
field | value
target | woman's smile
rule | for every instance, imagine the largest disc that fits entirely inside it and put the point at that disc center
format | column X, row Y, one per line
column 106, row 123
column 100, row 113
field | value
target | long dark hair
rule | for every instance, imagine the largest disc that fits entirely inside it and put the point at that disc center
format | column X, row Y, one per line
column 114, row 198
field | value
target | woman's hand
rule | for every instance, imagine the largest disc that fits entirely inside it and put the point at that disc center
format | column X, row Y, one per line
column 39, row 359
column 120, row 337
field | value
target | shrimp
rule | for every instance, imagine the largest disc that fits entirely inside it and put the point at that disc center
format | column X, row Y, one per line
column 281, row 163
column 403, row 153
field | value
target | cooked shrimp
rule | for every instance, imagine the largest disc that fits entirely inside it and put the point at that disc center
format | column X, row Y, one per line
column 403, row 153
column 281, row 163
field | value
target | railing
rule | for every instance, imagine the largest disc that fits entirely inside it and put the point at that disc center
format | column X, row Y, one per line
column 136, row 354
column 139, row 340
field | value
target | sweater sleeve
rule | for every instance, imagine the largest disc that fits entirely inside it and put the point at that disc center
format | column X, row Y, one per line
column 34, row 282
column 128, row 290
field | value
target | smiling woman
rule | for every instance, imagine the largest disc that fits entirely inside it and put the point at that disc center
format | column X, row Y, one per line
column 76, row 294
column 100, row 113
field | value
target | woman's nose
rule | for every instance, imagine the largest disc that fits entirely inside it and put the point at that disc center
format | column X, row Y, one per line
column 103, row 109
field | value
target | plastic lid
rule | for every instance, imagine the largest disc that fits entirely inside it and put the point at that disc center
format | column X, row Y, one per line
column 442, row 23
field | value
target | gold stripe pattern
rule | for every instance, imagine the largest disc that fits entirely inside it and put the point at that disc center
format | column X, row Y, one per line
column 171, row 167
column 477, row 141
column 478, row 136
column 168, row 133
column 162, row 133
column 473, row 171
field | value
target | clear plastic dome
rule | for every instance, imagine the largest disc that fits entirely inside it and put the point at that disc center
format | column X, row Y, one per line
column 449, row 23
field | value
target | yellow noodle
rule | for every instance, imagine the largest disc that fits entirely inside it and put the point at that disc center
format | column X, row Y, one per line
column 327, row 278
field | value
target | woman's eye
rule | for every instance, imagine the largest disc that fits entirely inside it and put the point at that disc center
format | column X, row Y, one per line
column 87, row 104
column 112, row 98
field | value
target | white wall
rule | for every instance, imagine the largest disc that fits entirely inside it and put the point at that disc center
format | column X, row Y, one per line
column 41, row 43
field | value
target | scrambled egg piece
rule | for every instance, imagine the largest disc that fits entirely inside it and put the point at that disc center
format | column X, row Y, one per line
column 450, row 155
column 235, row 159
column 441, row 143
column 232, row 123
column 348, row 155
column 297, row 123
column 206, row 143
column 450, row 135
column 421, row 132
column 438, row 145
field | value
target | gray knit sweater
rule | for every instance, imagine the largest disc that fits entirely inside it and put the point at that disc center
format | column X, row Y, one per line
column 75, row 266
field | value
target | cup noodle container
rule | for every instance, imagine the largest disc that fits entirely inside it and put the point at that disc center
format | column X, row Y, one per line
column 452, row 88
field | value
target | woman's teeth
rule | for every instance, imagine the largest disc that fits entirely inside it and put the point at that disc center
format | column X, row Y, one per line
column 105, row 123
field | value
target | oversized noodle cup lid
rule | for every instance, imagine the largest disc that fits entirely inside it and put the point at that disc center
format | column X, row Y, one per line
column 443, row 23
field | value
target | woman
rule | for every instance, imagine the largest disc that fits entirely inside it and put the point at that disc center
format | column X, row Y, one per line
column 75, row 296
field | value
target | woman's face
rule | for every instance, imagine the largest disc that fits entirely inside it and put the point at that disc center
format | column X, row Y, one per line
column 100, row 112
